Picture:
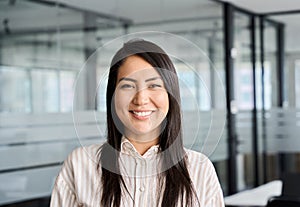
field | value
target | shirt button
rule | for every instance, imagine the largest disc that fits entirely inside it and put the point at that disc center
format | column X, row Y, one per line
column 142, row 189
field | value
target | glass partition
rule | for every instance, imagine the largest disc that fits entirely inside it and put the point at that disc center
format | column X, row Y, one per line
column 244, row 92
column 297, row 83
column 281, row 121
column 16, row 81
column 42, row 51
column 44, row 47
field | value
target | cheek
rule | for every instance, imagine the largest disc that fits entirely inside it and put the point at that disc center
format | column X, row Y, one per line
column 162, row 101
column 121, row 101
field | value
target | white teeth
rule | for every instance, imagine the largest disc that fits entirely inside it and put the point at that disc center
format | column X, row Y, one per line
column 143, row 113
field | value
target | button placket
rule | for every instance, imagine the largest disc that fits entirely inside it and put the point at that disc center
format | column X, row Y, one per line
column 142, row 177
column 136, row 181
column 143, row 174
column 142, row 188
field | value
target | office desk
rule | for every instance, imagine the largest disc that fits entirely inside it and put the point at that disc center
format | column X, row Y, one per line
column 255, row 197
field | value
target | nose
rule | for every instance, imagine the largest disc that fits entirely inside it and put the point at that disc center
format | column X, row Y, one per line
column 141, row 97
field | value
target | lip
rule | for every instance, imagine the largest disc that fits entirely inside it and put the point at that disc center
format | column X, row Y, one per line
column 141, row 114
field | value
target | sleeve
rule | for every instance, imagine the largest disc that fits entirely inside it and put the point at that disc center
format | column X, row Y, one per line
column 214, row 191
column 217, row 200
column 64, row 193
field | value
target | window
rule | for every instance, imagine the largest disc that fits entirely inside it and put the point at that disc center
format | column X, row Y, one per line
column 14, row 90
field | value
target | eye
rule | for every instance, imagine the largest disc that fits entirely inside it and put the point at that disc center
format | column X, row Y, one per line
column 126, row 86
column 154, row 85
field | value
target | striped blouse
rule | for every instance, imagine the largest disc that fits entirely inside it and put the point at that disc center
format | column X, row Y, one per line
column 79, row 181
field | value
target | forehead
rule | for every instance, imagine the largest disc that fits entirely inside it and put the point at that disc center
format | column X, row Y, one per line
column 137, row 67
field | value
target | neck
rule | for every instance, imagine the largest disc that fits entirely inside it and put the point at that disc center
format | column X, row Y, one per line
column 143, row 146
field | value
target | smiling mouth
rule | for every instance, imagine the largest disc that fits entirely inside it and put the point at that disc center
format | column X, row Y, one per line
column 141, row 113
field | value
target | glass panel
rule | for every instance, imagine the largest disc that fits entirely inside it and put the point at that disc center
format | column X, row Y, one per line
column 270, row 74
column 282, row 124
column 44, row 44
column 14, row 90
column 271, row 95
column 45, row 96
column 297, row 83
column 259, row 102
column 196, row 86
column 292, row 56
column 243, row 92
column 45, row 54
column 67, row 80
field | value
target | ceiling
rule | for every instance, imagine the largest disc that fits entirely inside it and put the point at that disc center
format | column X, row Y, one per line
column 266, row 6
column 135, row 11
column 31, row 15
column 149, row 11
column 144, row 10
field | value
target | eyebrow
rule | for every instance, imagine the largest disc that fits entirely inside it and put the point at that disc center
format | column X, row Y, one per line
column 133, row 80
column 151, row 79
column 128, row 79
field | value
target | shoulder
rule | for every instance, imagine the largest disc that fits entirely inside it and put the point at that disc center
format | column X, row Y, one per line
column 79, row 162
column 199, row 164
column 85, row 151
column 204, row 178
column 83, row 155
column 195, row 157
column 80, row 159
column 79, row 174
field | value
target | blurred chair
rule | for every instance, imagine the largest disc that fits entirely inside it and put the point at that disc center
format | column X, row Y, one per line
column 283, row 201
column 290, row 196
column 291, row 184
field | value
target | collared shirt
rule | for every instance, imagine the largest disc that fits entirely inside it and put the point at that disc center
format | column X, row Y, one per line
column 79, row 181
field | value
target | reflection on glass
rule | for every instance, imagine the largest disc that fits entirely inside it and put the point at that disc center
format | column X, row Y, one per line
column 297, row 83
column 45, row 96
column 67, row 79
column 14, row 90
column 194, row 86
column 271, row 84
column 243, row 93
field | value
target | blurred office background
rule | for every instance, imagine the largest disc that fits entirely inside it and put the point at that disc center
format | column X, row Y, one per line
column 254, row 51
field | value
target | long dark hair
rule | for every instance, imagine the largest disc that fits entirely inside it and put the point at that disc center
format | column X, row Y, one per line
column 178, row 185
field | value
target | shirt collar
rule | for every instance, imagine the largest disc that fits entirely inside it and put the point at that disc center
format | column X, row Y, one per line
column 128, row 148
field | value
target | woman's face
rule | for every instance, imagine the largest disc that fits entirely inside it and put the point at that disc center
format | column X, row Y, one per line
column 141, row 100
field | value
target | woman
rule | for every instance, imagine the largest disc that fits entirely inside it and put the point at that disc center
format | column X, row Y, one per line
column 143, row 162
